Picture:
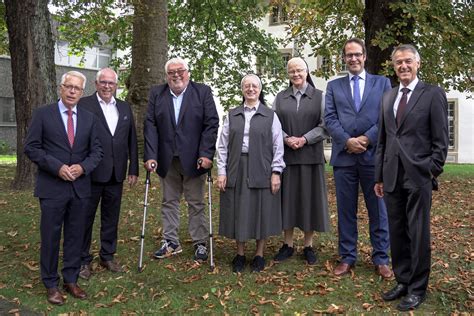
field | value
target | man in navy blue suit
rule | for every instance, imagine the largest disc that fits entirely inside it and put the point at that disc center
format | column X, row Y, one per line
column 351, row 117
column 62, row 141
column 116, row 131
column 180, row 140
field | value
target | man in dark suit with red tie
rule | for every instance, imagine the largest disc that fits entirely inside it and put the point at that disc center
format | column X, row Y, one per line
column 116, row 131
column 180, row 141
column 411, row 151
column 62, row 141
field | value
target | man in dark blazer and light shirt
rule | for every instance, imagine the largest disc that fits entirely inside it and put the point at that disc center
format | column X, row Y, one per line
column 116, row 131
column 180, row 140
column 62, row 141
column 351, row 117
column 411, row 151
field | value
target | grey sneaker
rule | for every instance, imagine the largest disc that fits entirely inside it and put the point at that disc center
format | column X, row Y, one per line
column 201, row 252
column 167, row 249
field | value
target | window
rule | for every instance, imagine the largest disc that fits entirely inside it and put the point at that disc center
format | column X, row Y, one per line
column 264, row 65
column 279, row 14
column 94, row 57
column 452, row 125
column 7, row 111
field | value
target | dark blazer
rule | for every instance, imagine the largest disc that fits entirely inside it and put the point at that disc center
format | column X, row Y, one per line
column 343, row 121
column 421, row 140
column 119, row 148
column 195, row 134
column 48, row 147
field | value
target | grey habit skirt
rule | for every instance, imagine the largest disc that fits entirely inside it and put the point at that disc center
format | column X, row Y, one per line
column 249, row 213
column 304, row 198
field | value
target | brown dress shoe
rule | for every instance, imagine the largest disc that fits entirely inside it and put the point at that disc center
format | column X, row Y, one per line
column 55, row 296
column 384, row 270
column 75, row 290
column 111, row 265
column 85, row 272
column 342, row 268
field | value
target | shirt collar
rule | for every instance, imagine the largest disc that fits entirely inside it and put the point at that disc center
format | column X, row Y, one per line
column 247, row 108
column 177, row 96
column 410, row 86
column 112, row 100
column 63, row 108
column 302, row 90
column 362, row 75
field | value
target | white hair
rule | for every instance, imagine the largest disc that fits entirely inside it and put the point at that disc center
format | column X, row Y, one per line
column 176, row 60
column 76, row 74
column 99, row 73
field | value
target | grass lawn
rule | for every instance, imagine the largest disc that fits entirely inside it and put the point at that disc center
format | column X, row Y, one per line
column 180, row 286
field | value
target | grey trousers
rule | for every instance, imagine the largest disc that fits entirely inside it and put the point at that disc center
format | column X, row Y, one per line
column 173, row 186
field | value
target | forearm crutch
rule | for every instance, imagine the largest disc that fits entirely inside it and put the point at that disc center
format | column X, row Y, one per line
column 211, row 253
column 142, row 236
column 209, row 196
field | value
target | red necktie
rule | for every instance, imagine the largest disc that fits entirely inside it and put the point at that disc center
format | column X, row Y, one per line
column 70, row 128
column 402, row 105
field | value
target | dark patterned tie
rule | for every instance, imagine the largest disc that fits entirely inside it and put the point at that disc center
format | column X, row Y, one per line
column 70, row 128
column 356, row 92
column 402, row 105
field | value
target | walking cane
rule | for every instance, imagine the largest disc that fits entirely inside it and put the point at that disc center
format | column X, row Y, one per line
column 142, row 236
column 209, row 187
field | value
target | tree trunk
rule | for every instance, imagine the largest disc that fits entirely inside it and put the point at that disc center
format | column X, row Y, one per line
column 33, row 74
column 149, row 55
column 377, row 16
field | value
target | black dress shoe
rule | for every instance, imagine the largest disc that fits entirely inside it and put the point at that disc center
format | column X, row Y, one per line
column 410, row 302
column 398, row 291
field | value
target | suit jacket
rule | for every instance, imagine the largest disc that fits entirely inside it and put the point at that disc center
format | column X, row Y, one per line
column 192, row 137
column 119, row 148
column 343, row 121
column 420, row 143
column 48, row 147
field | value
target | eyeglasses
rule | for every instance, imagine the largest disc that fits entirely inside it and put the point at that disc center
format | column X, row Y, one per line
column 296, row 71
column 178, row 72
column 407, row 61
column 105, row 83
column 356, row 55
column 72, row 88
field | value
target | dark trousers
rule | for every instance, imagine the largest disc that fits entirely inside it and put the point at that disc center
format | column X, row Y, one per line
column 347, row 181
column 69, row 211
column 110, row 197
column 409, row 224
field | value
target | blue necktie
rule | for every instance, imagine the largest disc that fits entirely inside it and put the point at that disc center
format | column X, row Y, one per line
column 356, row 92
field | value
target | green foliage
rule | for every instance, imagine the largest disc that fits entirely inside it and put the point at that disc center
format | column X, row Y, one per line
column 443, row 33
column 3, row 31
column 223, row 42
column 219, row 38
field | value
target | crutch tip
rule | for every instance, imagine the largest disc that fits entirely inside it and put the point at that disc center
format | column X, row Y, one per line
column 140, row 269
column 211, row 268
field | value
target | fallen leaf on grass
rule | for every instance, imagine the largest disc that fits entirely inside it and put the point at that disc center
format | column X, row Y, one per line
column 367, row 306
column 15, row 311
column 28, row 286
column 334, row 309
column 31, row 265
column 165, row 305
column 170, row 267
column 12, row 233
column 289, row 299
column 192, row 278
column 205, row 296
column 101, row 305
